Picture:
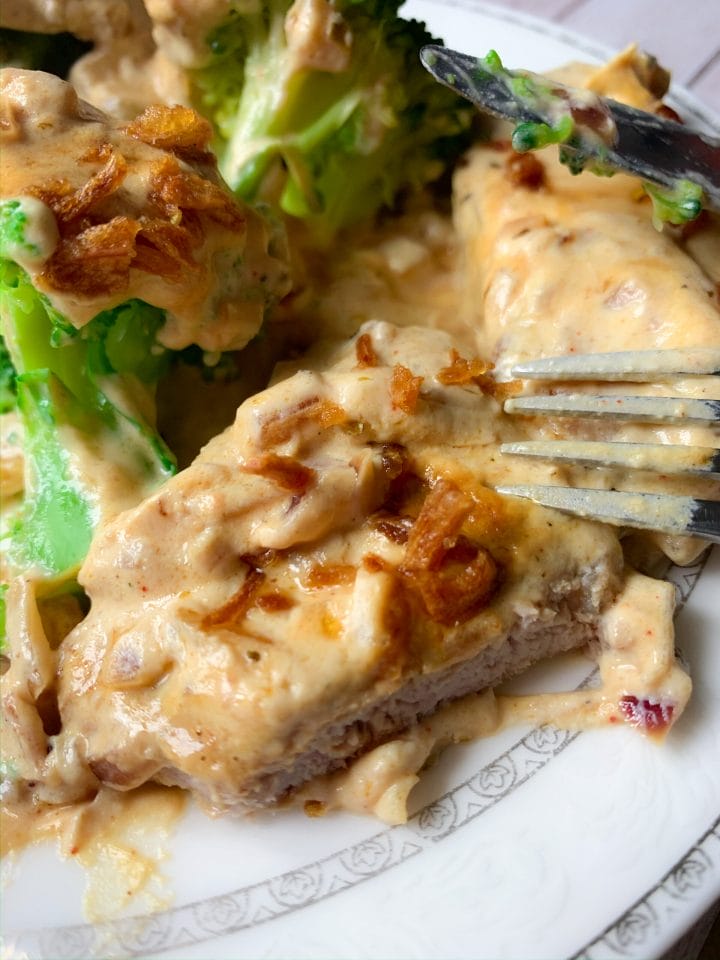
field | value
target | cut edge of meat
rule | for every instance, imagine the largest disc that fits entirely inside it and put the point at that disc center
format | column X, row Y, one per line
column 569, row 620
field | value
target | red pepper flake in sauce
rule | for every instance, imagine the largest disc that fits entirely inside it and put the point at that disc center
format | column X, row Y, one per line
column 652, row 716
column 365, row 352
column 285, row 472
column 404, row 389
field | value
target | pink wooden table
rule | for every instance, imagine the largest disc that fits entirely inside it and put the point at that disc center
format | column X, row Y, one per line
column 685, row 37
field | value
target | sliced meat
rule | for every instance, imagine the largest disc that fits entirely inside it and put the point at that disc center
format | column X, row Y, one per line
column 328, row 570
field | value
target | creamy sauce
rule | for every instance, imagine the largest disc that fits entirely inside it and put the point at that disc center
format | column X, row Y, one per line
column 577, row 267
column 637, row 663
column 406, row 272
column 40, row 235
column 121, row 841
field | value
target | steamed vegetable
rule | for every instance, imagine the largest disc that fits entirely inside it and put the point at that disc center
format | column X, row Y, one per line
column 678, row 205
column 330, row 98
column 7, row 379
column 80, row 395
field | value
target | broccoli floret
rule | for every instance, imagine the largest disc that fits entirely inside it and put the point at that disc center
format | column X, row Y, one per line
column 82, row 384
column 678, row 205
column 348, row 130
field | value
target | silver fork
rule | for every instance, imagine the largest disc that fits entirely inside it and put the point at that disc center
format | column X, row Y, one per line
column 662, row 512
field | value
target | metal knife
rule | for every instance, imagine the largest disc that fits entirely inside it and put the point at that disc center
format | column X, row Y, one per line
column 598, row 131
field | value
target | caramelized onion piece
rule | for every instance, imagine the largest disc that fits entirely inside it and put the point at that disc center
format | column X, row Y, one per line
column 97, row 261
column 330, row 575
column 70, row 205
column 180, row 130
column 453, row 576
column 176, row 191
column 233, row 612
column 462, row 371
column 280, row 427
column 286, row 472
column 525, row 170
column 171, row 246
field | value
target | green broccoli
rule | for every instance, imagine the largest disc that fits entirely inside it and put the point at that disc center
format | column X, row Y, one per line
column 349, row 134
column 79, row 395
column 678, row 205
column 8, row 397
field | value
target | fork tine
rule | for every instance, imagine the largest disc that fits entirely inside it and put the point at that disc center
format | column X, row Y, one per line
column 656, row 409
column 661, row 457
column 631, row 365
column 665, row 513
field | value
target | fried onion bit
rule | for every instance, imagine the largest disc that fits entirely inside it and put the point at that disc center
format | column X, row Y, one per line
column 175, row 191
column 312, row 411
column 462, row 371
column 96, row 261
column 453, row 576
column 404, row 389
column 179, row 130
column 165, row 249
column 70, row 206
column 232, row 613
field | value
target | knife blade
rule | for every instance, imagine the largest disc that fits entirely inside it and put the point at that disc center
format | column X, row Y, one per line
column 596, row 130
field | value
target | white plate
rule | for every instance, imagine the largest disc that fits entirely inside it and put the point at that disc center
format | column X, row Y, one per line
column 531, row 844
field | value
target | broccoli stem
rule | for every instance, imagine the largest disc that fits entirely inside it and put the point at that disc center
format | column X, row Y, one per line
column 59, row 519
column 332, row 140
column 70, row 401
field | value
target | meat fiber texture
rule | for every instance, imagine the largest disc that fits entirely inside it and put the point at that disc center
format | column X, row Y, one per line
column 327, row 571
